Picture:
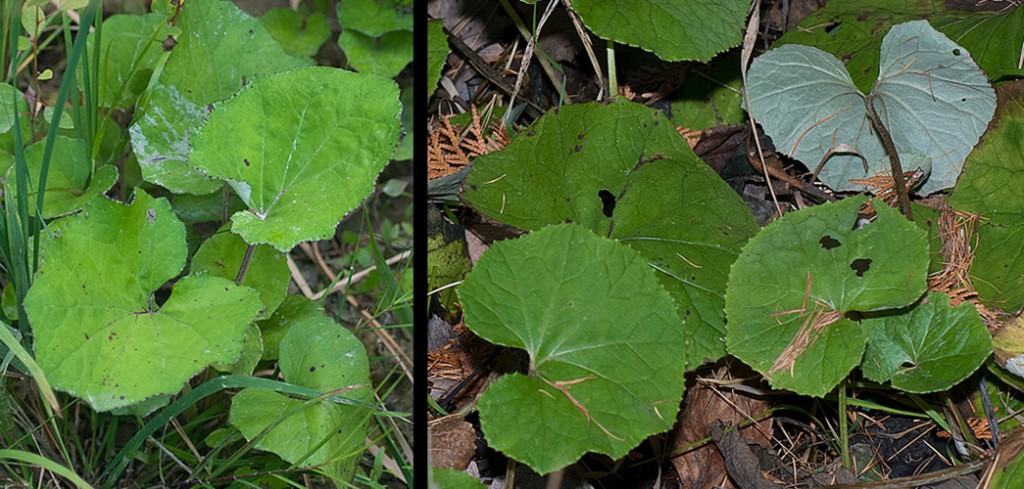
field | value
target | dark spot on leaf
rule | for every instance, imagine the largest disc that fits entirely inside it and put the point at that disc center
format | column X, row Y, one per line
column 607, row 202
column 570, row 304
column 956, row 52
column 312, row 369
column 111, row 336
column 246, row 161
column 861, row 265
column 832, row 26
column 243, row 80
column 472, row 187
column 693, row 278
column 169, row 43
column 907, row 365
column 219, row 264
column 828, row 242
column 863, row 16
column 209, row 108
column 687, row 313
column 578, row 148
column 963, row 99
column 86, row 336
column 530, row 133
column 568, row 221
column 121, row 398
column 579, row 138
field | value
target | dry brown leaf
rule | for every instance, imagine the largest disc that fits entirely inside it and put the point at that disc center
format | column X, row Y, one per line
column 702, row 467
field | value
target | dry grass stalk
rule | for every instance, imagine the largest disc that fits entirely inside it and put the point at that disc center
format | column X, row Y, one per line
column 884, row 186
column 814, row 323
column 450, row 147
column 957, row 231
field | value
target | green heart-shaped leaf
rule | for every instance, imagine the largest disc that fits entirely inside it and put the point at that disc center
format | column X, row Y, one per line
column 930, row 348
column 568, row 298
column 794, row 282
column 301, row 149
column 622, row 170
column 318, row 353
column 99, row 333
column 220, row 48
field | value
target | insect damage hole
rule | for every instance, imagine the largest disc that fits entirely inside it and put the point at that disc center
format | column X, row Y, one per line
column 828, row 242
column 607, row 202
column 861, row 265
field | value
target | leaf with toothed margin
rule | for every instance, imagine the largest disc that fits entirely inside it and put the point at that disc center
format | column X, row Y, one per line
column 622, row 171
column 930, row 95
column 794, row 283
column 571, row 299
column 99, row 333
column 318, row 353
column 218, row 50
column 301, row 149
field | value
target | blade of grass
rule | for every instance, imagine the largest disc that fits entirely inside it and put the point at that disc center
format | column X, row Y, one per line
column 46, row 464
column 77, row 50
column 19, row 351
column 214, row 385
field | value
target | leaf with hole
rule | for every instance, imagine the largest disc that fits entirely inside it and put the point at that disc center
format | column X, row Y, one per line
column 793, row 285
column 301, row 149
column 569, row 298
column 622, row 171
column 930, row 348
column 100, row 332
column 317, row 353
column 930, row 95
column 219, row 49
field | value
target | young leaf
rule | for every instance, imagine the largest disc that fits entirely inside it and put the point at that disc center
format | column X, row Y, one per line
column 672, row 30
column 300, row 35
column 301, row 149
column 930, row 348
column 794, row 282
column 219, row 49
column 622, row 171
column 99, row 332
column 317, row 353
column 68, row 185
column 385, row 55
column 221, row 255
column 602, row 337
column 375, row 17
column 930, row 95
